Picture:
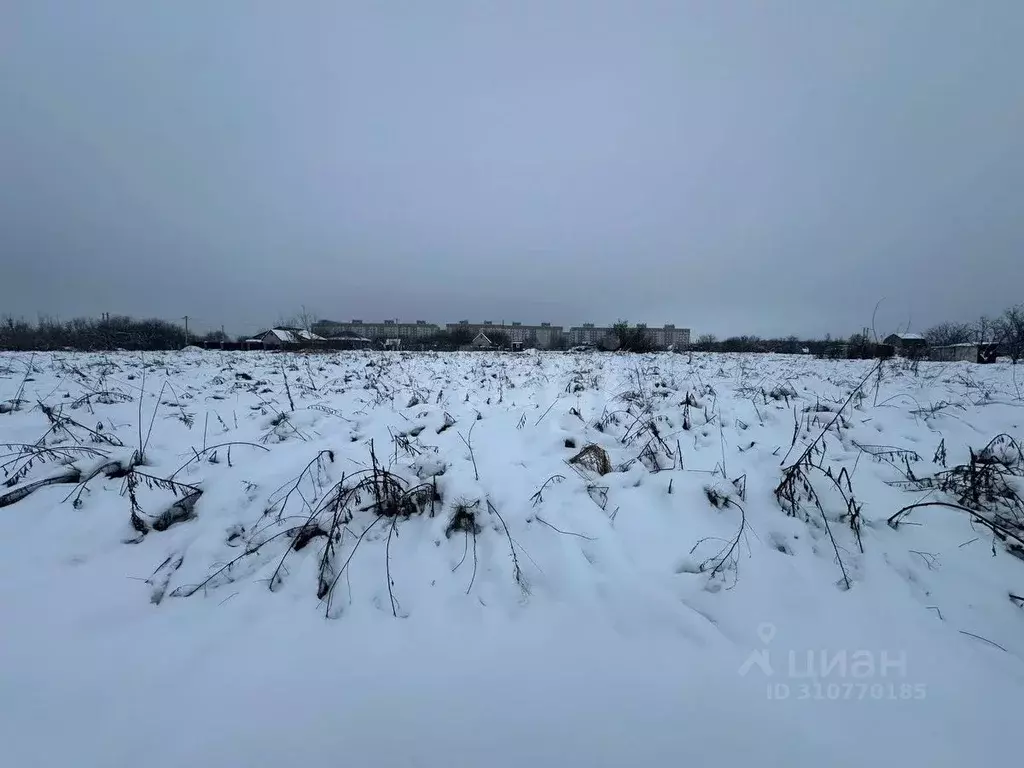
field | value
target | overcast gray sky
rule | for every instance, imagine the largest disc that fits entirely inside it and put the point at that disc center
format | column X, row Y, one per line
column 757, row 167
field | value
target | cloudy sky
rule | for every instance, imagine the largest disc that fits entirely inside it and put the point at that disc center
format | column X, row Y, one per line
column 735, row 167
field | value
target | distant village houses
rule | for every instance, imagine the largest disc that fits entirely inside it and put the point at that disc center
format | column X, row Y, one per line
column 279, row 338
column 298, row 338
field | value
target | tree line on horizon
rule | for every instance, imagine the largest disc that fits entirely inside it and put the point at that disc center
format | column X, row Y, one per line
column 88, row 333
column 1005, row 331
column 123, row 332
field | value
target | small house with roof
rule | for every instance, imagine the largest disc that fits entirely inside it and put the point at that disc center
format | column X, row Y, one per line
column 287, row 338
column 907, row 344
column 480, row 341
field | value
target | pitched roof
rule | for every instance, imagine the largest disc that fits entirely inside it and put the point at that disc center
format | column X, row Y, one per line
column 347, row 336
column 294, row 335
column 909, row 336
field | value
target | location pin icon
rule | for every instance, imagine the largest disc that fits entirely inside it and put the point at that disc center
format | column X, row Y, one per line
column 766, row 632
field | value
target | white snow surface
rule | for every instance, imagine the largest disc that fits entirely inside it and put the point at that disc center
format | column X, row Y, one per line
column 635, row 636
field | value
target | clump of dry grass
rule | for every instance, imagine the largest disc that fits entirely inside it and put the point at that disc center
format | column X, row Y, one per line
column 463, row 519
column 984, row 487
column 593, row 457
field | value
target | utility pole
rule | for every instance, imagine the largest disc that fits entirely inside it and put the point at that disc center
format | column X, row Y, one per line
column 186, row 330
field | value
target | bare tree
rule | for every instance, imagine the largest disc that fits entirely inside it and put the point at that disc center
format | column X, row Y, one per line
column 635, row 339
column 984, row 330
column 949, row 333
column 1009, row 332
column 307, row 320
column 706, row 342
column 499, row 339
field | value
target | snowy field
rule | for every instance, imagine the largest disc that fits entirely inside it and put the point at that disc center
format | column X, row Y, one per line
column 394, row 559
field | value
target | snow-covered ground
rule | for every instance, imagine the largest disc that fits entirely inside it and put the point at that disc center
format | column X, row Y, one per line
column 394, row 559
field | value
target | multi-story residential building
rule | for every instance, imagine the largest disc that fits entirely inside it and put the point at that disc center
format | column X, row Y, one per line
column 589, row 334
column 665, row 337
column 544, row 336
column 670, row 336
column 389, row 329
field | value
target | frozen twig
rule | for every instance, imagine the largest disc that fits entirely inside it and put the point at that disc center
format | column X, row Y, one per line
column 469, row 444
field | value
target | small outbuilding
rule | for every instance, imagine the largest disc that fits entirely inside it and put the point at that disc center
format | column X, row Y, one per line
column 907, row 344
column 288, row 338
column 969, row 352
column 480, row 341
column 348, row 340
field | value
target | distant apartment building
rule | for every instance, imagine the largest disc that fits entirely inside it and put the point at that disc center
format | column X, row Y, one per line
column 670, row 336
column 544, row 336
column 589, row 334
column 664, row 337
column 388, row 329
